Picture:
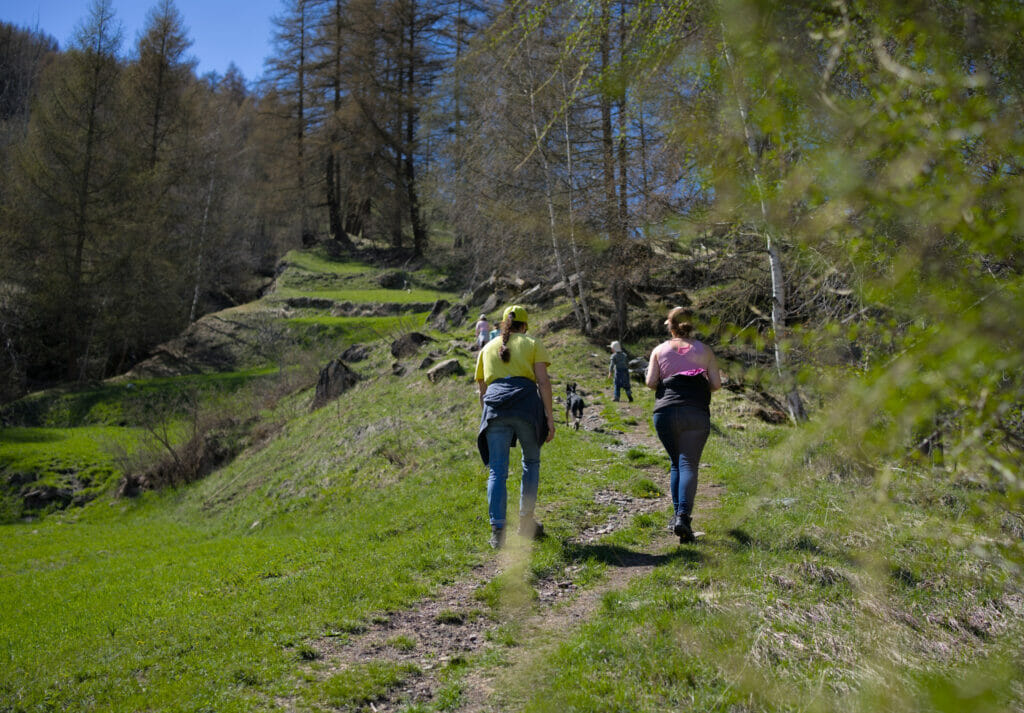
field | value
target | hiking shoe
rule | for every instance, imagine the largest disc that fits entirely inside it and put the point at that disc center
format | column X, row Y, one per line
column 528, row 527
column 497, row 540
column 681, row 527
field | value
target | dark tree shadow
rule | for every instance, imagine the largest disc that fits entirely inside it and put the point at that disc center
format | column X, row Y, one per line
column 801, row 543
column 617, row 556
column 741, row 537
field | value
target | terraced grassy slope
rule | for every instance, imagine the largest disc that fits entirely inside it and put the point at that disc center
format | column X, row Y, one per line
column 226, row 362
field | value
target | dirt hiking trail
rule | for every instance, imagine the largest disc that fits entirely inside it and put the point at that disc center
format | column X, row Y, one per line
column 445, row 630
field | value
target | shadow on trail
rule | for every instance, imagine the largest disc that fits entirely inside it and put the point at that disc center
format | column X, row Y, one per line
column 797, row 543
column 616, row 556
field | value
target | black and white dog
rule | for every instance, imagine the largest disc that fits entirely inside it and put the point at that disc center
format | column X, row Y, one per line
column 574, row 405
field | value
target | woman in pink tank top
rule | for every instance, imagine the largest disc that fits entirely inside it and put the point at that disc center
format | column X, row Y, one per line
column 683, row 372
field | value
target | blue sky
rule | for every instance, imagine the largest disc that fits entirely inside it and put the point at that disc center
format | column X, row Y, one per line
column 222, row 31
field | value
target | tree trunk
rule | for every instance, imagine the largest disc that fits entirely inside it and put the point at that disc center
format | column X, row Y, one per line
column 77, row 316
column 793, row 401
column 300, row 129
column 355, row 217
column 338, row 228
column 551, row 211
column 419, row 230
column 397, row 118
column 611, row 213
column 199, row 253
column 331, row 169
column 620, row 110
column 458, row 198
column 586, row 326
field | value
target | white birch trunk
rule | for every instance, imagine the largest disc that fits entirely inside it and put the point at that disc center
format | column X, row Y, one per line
column 199, row 255
column 793, row 401
column 551, row 211
column 586, row 324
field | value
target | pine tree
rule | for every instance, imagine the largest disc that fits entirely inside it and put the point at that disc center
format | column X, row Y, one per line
column 72, row 193
column 290, row 72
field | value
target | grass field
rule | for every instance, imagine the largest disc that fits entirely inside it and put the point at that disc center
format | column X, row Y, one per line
column 354, row 330
column 817, row 587
column 813, row 598
column 201, row 599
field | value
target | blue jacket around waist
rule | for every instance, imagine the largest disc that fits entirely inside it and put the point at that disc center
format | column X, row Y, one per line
column 514, row 396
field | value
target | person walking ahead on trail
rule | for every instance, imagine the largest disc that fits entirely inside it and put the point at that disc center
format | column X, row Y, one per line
column 515, row 397
column 483, row 329
column 618, row 369
column 683, row 372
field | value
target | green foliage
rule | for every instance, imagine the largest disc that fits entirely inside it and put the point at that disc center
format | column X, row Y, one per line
column 883, row 141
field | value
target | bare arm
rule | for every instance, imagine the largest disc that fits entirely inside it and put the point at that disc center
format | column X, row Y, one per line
column 714, row 377
column 653, row 370
column 540, row 370
column 482, row 388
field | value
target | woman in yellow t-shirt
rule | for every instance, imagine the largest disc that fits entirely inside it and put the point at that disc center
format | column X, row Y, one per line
column 515, row 399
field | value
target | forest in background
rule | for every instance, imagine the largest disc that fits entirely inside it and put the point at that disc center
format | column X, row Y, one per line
column 857, row 165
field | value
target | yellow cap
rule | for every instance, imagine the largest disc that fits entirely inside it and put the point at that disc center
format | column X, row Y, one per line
column 518, row 313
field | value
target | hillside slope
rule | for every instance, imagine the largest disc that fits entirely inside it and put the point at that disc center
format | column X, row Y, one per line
column 339, row 562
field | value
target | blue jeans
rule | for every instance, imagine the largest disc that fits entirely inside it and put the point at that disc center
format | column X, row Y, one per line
column 499, row 441
column 622, row 382
column 683, row 431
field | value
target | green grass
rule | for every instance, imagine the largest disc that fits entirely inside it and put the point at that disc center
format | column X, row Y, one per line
column 114, row 404
column 814, row 588
column 81, row 461
column 643, row 457
column 810, row 597
column 364, row 295
column 402, row 642
column 354, row 330
column 98, row 433
column 204, row 598
column 313, row 274
column 315, row 261
column 362, row 684
column 171, row 615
